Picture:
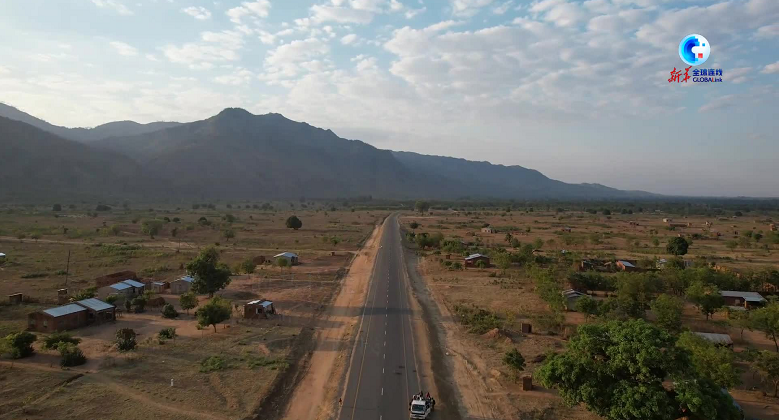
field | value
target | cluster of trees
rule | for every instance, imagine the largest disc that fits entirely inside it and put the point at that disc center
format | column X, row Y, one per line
column 19, row 345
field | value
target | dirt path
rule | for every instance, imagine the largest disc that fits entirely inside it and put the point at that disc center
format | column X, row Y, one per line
column 315, row 395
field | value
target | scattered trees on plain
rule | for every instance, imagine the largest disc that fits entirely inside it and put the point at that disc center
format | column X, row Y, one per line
column 293, row 223
column 215, row 311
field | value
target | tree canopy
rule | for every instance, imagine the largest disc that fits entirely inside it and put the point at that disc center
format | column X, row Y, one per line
column 617, row 370
column 214, row 312
column 422, row 206
column 766, row 319
column 668, row 312
column 710, row 361
column 188, row 301
column 210, row 275
column 677, row 246
column 293, row 223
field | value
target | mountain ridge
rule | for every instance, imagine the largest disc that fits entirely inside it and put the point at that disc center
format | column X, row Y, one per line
column 236, row 154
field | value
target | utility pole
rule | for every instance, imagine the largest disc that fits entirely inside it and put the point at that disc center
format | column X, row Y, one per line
column 67, row 270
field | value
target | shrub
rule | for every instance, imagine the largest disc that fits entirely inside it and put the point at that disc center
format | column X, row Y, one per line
column 513, row 359
column 54, row 340
column 168, row 311
column 125, row 339
column 111, row 299
column 71, row 355
column 139, row 303
column 19, row 345
column 168, row 333
column 478, row 320
column 212, row 364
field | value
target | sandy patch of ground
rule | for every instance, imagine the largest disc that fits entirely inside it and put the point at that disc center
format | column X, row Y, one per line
column 315, row 395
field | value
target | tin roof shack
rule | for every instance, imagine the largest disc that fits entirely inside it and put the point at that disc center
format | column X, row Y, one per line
column 627, row 266
column 746, row 299
column 121, row 289
column 115, row 278
column 259, row 308
column 2, row 258
column 721, row 340
column 289, row 256
column 61, row 318
column 571, row 296
column 98, row 311
column 489, row 230
column 181, row 285
column 138, row 287
column 158, row 286
column 473, row 259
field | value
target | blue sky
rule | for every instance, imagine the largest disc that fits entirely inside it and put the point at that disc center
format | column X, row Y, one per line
column 576, row 89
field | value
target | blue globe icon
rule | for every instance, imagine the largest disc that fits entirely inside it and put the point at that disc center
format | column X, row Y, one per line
column 694, row 49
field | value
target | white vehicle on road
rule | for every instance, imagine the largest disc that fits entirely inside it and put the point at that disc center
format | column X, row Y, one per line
column 421, row 407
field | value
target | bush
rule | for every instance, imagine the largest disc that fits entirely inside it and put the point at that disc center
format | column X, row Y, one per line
column 139, row 303
column 478, row 320
column 87, row 293
column 19, row 345
column 212, row 364
column 54, row 340
column 111, row 299
column 167, row 333
column 125, row 339
column 168, row 311
column 513, row 359
column 71, row 355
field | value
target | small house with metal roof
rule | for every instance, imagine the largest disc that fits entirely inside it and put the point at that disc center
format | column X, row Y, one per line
column 98, row 311
column 571, row 297
column 181, row 285
column 627, row 266
column 289, row 256
column 745, row 299
column 723, row 340
column 260, row 308
column 138, row 287
column 60, row 318
column 121, row 289
column 473, row 259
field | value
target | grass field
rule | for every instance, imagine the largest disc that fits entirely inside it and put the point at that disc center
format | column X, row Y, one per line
column 246, row 355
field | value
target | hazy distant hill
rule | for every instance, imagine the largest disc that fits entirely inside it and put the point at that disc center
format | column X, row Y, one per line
column 35, row 164
column 238, row 155
column 117, row 128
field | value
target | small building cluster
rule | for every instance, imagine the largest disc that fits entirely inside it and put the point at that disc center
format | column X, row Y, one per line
column 746, row 300
column 124, row 289
column 473, row 259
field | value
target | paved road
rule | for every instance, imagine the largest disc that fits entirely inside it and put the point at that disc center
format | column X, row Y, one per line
column 383, row 374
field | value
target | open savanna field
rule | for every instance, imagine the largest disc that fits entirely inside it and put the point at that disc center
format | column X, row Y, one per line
column 201, row 373
column 556, row 242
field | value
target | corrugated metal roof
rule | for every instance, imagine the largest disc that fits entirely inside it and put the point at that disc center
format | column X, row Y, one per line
column 472, row 256
column 570, row 293
column 626, row 264
column 2, row 255
column 254, row 302
column 120, row 286
column 187, row 279
column 747, row 296
column 64, row 310
column 133, row 283
column 95, row 304
column 158, row 283
column 266, row 304
column 287, row 255
column 716, row 338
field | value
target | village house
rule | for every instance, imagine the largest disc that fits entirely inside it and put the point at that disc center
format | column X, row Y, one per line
column 157, row 286
column 488, row 230
column 181, row 285
column 473, row 259
column 571, row 296
column 121, row 289
column 2, row 257
column 289, row 256
column 61, row 318
column 627, row 266
column 115, row 278
column 260, row 308
column 138, row 287
column 720, row 340
column 746, row 299
column 668, row 220
column 98, row 311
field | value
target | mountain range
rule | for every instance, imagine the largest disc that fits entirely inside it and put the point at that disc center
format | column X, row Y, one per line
column 238, row 155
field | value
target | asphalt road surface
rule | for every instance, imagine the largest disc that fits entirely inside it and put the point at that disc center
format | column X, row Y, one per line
column 383, row 373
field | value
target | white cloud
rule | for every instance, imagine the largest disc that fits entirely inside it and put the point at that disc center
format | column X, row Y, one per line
column 369, row 5
column 197, row 12
column 214, row 47
column 256, row 9
column 737, row 75
column 321, row 14
column 4, row 70
column 771, row 68
column 267, row 38
column 348, row 39
column 719, row 103
column 768, row 31
column 410, row 13
column 502, row 8
column 468, row 7
column 124, row 49
column 115, row 5
column 240, row 76
column 151, row 57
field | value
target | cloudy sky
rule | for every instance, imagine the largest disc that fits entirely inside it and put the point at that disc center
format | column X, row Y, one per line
column 576, row 89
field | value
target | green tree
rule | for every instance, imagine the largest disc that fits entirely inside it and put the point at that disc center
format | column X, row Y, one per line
column 731, row 244
column 54, row 339
column 214, row 312
column 766, row 319
column 19, row 345
column 656, row 242
column 125, row 339
column 508, row 237
column 422, row 206
column 282, row 262
column 668, row 310
column 151, row 227
column 588, row 306
column 248, row 266
column 210, row 275
column 293, row 223
column 710, row 361
column 502, row 260
column 228, row 234
column 188, row 301
column 139, row 304
column 413, row 225
column 677, row 246
column 167, row 333
column 514, row 360
column 741, row 320
column 87, row 293
column 71, row 355
column 767, row 365
column 229, row 218
column 56, row 207
column 114, row 230
column 635, row 292
column 618, row 369
column 706, row 298
column 168, row 311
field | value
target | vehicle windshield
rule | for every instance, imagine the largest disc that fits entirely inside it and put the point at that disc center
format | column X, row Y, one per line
column 418, row 408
